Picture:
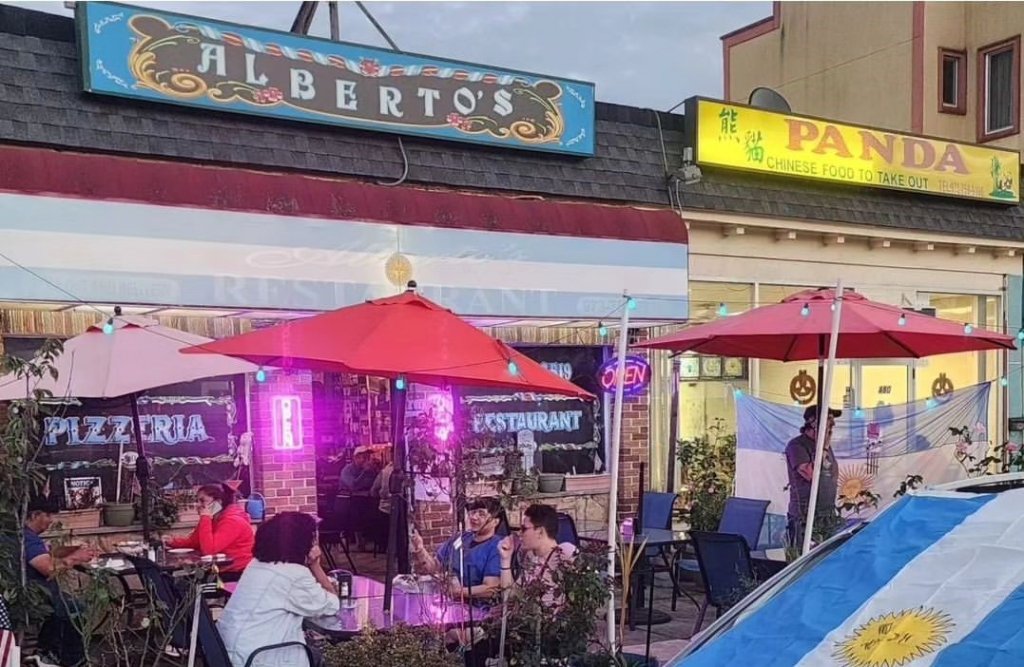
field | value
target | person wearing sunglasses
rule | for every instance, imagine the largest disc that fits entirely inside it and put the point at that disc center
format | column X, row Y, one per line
column 539, row 552
column 471, row 558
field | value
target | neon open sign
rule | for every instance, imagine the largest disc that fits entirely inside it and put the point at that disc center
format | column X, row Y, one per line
column 287, row 422
column 636, row 375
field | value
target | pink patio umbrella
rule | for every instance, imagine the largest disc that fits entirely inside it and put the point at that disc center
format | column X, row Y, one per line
column 124, row 357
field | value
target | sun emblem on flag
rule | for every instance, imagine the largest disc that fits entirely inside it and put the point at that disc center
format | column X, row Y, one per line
column 895, row 639
column 854, row 480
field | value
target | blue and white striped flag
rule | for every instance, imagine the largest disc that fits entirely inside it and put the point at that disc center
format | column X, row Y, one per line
column 938, row 580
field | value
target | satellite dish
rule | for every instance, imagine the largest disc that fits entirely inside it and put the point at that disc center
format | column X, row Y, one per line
column 768, row 99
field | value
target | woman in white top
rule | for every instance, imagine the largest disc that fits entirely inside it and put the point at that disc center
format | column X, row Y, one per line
column 283, row 585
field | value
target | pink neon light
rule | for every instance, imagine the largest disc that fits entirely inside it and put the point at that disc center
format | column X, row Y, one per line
column 286, row 420
column 442, row 414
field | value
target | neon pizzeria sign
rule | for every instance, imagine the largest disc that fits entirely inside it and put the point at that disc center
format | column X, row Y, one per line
column 160, row 56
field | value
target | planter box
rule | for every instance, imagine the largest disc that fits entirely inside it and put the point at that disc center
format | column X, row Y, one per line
column 588, row 483
column 71, row 520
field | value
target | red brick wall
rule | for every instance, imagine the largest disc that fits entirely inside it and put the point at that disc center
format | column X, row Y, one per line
column 286, row 478
column 435, row 522
column 636, row 433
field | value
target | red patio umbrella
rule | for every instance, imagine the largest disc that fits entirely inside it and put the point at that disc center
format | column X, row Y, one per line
column 801, row 328
column 405, row 337
column 798, row 329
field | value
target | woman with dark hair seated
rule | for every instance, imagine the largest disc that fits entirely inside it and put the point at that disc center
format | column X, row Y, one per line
column 224, row 528
column 284, row 585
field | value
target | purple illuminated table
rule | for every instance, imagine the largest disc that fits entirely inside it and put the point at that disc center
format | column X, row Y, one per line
column 366, row 610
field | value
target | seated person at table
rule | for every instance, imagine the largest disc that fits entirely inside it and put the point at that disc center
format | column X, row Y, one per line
column 224, row 528
column 475, row 573
column 358, row 476
column 284, row 585
column 59, row 640
column 539, row 554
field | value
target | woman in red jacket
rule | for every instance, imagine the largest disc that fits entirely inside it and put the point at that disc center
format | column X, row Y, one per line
column 224, row 528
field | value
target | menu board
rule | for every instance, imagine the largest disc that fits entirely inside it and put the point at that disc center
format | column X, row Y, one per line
column 562, row 434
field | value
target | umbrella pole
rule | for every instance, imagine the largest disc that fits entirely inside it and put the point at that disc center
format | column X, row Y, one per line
column 397, row 521
column 141, row 466
column 826, row 392
column 613, row 465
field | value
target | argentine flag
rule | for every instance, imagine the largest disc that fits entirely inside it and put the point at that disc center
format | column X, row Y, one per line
column 937, row 580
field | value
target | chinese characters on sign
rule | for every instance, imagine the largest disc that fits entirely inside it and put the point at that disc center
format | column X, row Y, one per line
column 740, row 137
column 159, row 56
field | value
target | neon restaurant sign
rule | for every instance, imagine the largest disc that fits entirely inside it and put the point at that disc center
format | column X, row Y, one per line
column 159, row 56
column 741, row 137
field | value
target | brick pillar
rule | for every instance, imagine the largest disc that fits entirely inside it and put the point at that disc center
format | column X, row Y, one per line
column 286, row 478
column 635, row 447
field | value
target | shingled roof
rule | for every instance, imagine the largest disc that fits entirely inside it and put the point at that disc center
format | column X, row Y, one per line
column 42, row 103
column 780, row 197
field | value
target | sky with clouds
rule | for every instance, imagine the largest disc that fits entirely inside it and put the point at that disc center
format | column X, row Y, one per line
column 646, row 54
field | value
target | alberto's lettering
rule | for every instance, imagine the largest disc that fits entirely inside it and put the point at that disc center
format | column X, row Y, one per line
column 184, row 63
column 117, row 430
column 513, row 422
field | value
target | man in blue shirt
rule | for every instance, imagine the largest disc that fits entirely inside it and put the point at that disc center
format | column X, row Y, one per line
column 471, row 559
column 59, row 640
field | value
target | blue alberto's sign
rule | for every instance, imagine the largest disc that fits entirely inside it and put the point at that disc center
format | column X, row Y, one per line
column 158, row 56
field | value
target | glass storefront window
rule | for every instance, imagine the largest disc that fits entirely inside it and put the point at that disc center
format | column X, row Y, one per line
column 705, row 402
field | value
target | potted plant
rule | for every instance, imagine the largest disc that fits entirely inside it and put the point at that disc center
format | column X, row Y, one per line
column 550, row 482
column 121, row 512
column 163, row 507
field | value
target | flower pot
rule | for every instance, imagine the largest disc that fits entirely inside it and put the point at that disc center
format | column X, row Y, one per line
column 118, row 514
column 550, row 482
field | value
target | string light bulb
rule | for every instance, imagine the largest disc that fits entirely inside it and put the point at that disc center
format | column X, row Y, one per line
column 930, row 403
column 805, row 311
column 1020, row 335
column 513, row 368
column 1003, row 381
column 968, row 329
column 858, row 414
column 108, row 326
column 902, row 321
column 602, row 330
column 400, row 383
column 723, row 310
column 631, row 303
column 261, row 375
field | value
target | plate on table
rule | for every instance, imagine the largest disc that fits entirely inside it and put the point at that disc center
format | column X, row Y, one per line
column 180, row 552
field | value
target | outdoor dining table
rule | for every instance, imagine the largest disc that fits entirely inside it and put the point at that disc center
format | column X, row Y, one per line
column 649, row 538
column 365, row 610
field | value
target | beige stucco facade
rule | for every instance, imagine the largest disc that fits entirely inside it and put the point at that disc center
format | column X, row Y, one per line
column 744, row 261
column 874, row 63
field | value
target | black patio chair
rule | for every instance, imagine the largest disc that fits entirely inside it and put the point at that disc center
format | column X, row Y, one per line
column 215, row 654
column 567, row 530
column 334, row 531
column 170, row 602
column 726, row 569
